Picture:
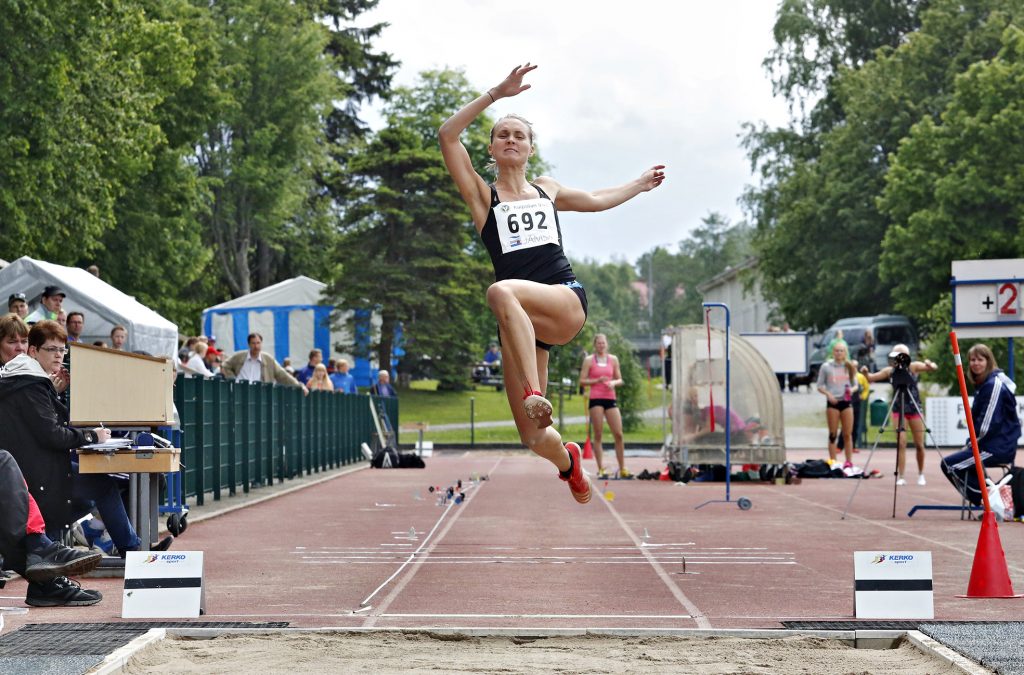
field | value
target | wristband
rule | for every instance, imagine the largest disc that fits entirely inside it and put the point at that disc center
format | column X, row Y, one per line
column 491, row 95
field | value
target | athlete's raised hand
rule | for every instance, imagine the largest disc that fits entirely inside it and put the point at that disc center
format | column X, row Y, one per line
column 513, row 82
column 653, row 177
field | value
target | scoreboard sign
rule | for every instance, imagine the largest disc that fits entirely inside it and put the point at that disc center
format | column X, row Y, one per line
column 987, row 300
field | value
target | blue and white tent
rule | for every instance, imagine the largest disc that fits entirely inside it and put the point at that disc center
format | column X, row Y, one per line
column 291, row 316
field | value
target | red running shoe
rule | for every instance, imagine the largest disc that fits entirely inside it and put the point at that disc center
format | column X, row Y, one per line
column 538, row 409
column 579, row 484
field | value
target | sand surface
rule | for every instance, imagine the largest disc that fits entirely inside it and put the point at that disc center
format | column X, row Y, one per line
column 397, row 652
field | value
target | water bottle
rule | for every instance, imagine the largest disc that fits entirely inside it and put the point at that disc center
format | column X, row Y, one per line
column 846, row 393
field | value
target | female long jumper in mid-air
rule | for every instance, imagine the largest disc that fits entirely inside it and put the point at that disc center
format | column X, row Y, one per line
column 535, row 296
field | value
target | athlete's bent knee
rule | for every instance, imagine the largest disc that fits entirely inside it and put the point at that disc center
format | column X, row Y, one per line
column 499, row 295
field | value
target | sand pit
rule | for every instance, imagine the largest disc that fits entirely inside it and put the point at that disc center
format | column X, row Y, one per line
column 418, row 652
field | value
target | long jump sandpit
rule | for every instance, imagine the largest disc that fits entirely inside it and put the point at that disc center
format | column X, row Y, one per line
column 517, row 651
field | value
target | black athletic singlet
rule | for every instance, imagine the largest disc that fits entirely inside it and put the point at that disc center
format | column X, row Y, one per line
column 524, row 240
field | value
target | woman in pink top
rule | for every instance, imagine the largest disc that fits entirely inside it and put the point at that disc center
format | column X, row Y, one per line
column 600, row 371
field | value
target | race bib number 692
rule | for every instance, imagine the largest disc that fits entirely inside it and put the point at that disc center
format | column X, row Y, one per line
column 525, row 224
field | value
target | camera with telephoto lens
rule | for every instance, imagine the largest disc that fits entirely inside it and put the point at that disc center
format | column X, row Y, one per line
column 899, row 360
column 900, row 364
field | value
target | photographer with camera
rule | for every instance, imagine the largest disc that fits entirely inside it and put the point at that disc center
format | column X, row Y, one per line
column 997, row 426
column 837, row 380
column 902, row 373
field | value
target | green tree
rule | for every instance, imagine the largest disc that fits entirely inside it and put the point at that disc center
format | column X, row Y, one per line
column 159, row 252
column 611, row 296
column 79, row 83
column 264, row 146
column 955, row 192
column 707, row 251
column 819, row 226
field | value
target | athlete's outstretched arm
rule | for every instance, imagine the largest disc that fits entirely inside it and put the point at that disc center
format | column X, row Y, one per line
column 571, row 199
column 471, row 186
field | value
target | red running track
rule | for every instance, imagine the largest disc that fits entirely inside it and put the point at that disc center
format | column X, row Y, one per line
column 519, row 552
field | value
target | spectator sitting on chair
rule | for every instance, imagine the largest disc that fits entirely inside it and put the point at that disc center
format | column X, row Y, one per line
column 996, row 424
column 319, row 381
column 118, row 337
column 342, row 379
column 255, row 366
column 49, row 305
column 75, row 326
column 492, row 360
column 316, row 357
column 382, row 387
column 697, row 423
column 213, row 360
column 34, row 428
column 16, row 304
column 185, row 353
column 25, row 548
column 197, row 361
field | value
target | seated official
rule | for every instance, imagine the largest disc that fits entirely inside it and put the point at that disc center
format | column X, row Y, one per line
column 996, row 424
column 34, row 428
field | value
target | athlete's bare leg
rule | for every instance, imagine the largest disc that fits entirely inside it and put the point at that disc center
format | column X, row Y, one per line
column 596, row 432
column 545, row 442
column 527, row 311
column 614, row 417
column 832, row 417
column 846, row 416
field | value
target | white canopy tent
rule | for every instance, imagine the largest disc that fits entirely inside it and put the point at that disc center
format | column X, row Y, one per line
column 103, row 305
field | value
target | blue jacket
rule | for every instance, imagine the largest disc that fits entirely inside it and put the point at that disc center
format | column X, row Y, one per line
column 996, row 423
column 344, row 382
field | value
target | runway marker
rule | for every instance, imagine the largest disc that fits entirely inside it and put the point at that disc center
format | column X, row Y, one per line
column 701, row 620
column 371, row 620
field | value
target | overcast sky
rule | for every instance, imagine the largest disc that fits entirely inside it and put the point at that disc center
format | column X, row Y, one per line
column 620, row 87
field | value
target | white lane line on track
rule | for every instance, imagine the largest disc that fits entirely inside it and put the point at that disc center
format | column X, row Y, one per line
column 372, row 619
column 549, row 562
column 969, row 553
column 538, row 616
column 695, row 613
column 532, row 558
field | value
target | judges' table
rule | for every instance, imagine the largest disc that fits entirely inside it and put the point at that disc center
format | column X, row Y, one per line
column 143, row 466
column 128, row 391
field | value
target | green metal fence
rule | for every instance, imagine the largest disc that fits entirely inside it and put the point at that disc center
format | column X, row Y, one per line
column 245, row 434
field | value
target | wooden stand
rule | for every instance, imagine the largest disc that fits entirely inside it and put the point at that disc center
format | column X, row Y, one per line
column 124, row 390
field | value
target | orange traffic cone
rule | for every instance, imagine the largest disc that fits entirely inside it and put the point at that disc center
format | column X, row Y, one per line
column 588, row 449
column 990, row 578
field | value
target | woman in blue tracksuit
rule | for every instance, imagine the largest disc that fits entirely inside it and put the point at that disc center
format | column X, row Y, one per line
column 996, row 424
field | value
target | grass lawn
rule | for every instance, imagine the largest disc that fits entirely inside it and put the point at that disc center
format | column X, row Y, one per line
column 423, row 403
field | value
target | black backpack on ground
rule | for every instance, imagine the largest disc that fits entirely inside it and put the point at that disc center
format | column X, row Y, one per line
column 389, row 458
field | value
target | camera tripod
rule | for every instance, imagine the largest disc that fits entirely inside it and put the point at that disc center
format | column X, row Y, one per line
column 901, row 381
